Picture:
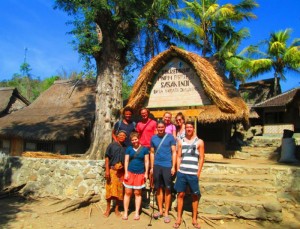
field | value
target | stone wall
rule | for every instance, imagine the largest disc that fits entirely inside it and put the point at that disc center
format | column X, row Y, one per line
column 53, row 177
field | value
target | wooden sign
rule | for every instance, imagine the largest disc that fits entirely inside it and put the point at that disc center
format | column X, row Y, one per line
column 177, row 85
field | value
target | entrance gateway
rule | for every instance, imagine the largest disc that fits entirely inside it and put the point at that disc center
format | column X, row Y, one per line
column 180, row 81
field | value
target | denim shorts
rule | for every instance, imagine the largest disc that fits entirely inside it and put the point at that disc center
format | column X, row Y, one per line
column 184, row 180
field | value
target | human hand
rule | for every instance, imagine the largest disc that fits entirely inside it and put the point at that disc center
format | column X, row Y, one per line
column 107, row 176
column 173, row 171
column 146, row 176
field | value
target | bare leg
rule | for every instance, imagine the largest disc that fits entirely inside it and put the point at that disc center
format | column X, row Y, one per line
column 108, row 203
column 167, row 201
column 160, row 196
column 138, row 201
column 195, row 203
column 118, row 203
column 128, row 193
column 180, row 197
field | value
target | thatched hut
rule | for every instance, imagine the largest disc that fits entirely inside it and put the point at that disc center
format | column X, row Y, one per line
column 59, row 120
column 11, row 100
column 178, row 80
column 280, row 112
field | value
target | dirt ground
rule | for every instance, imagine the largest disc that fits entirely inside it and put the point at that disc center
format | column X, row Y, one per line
column 17, row 212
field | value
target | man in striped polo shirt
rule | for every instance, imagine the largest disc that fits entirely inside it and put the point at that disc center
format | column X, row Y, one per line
column 190, row 159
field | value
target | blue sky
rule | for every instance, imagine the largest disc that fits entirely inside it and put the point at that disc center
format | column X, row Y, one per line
column 35, row 25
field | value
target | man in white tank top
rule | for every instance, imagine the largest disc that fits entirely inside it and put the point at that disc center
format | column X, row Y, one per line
column 190, row 159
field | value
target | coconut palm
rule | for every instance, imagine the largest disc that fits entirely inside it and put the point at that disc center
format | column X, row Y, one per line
column 279, row 57
column 212, row 24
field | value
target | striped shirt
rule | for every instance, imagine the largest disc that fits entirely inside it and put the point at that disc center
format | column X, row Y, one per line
column 190, row 158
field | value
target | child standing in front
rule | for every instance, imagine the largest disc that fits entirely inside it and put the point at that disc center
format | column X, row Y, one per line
column 114, row 172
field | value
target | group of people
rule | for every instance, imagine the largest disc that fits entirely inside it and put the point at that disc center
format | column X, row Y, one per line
column 157, row 150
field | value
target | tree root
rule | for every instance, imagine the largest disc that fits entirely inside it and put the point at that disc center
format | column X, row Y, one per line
column 79, row 203
column 11, row 191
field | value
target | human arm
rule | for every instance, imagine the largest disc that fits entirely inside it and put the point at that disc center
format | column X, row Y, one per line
column 114, row 132
column 151, row 159
column 173, row 170
column 107, row 175
column 179, row 154
column 146, row 159
column 126, row 163
column 174, row 131
column 200, row 148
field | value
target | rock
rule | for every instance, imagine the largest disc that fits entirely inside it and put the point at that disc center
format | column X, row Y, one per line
column 210, row 210
column 236, row 210
column 82, row 190
column 272, row 206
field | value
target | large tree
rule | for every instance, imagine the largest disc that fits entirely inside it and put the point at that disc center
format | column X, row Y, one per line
column 106, row 31
column 275, row 55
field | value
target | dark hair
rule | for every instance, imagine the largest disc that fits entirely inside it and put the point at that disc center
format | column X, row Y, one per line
column 191, row 123
column 127, row 109
column 181, row 115
column 144, row 108
column 160, row 122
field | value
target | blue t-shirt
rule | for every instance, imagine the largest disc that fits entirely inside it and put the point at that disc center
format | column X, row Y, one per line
column 137, row 164
column 164, row 155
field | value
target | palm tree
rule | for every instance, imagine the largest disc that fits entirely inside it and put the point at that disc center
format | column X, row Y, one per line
column 279, row 57
column 213, row 24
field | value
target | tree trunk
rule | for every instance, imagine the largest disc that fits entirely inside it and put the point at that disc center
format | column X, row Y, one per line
column 108, row 102
column 276, row 85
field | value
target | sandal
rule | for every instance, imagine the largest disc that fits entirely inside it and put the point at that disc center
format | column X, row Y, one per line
column 137, row 217
column 125, row 218
column 196, row 225
column 167, row 219
column 176, row 225
column 157, row 215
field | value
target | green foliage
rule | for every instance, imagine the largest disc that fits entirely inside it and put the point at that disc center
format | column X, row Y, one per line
column 278, row 56
column 213, row 24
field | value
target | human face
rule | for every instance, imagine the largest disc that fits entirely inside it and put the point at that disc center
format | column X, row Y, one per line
column 179, row 120
column 161, row 129
column 135, row 142
column 167, row 118
column 127, row 115
column 121, row 137
column 189, row 130
column 144, row 114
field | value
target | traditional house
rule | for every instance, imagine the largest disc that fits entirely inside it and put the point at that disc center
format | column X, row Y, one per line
column 280, row 112
column 11, row 100
column 180, row 81
column 59, row 120
column 256, row 92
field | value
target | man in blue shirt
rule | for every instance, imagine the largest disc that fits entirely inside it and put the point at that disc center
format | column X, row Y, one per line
column 163, row 161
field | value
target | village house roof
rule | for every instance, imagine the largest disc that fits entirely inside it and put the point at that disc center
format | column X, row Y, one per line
column 227, row 105
column 8, row 95
column 258, row 91
column 281, row 100
column 65, row 110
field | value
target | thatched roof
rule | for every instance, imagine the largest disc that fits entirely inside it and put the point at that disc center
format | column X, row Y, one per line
column 65, row 110
column 258, row 91
column 281, row 100
column 8, row 95
column 227, row 104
